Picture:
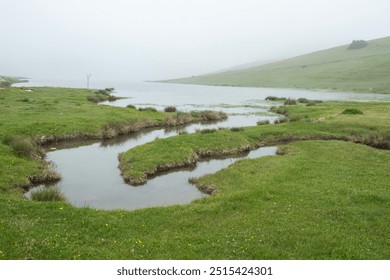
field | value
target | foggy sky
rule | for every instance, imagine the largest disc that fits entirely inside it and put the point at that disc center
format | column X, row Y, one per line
column 159, row 39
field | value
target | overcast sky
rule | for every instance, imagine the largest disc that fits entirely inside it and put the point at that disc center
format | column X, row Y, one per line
column 159, row 39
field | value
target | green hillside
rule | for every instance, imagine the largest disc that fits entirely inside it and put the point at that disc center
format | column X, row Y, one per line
column 360, row 70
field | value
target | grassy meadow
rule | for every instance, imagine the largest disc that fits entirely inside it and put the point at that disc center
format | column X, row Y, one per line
column 336, row 69
column 323, row 121
column 30, row 117
column 325, row 198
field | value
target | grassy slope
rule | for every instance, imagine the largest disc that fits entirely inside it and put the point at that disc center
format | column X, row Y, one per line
column 362, row 70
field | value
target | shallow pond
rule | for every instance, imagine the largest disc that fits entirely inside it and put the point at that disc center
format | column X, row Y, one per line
column 97, row 182
column 90, row 168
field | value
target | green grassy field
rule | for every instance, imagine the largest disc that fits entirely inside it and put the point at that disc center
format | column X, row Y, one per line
column 321, row 200
column 323, row 121
column 47, row 114
column 338, row 69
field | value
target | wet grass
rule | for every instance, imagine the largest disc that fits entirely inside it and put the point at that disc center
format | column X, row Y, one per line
column 48, row 194
column 319, row 200
column 301, row 123
column 51, row 114
column 263, row 122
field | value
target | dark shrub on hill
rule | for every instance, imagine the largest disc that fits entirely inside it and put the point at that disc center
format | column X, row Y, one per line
column 352, row 112
column 357, row 44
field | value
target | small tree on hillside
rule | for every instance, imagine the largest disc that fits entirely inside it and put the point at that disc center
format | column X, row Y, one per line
column 357, row 44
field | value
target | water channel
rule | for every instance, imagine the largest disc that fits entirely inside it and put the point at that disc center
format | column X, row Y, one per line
column 90, row 168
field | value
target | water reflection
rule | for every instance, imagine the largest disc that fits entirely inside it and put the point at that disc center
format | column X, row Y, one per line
column 90, row 178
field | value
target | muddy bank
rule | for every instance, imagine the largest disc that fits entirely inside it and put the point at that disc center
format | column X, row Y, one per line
column 189, row 162
column 115, row 129
column 42, row 144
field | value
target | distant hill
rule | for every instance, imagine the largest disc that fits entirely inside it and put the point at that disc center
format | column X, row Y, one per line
column 6, row 81
column 362, row 66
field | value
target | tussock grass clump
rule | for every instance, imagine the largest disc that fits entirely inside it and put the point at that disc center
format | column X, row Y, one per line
column 373, row 139
column 130, row 106
column 48, row 194
column 311, row 103
column 303, row 100
column 237, row 129
column 282, row 150
column 102, row 95
column 112, row 98
column 24, row 146
column 290, row 101
column 279, row 110
column 208, row 130
column 96, row 99
column 274, row 98
column 352, row 111
column 178, row 119
column 114, row 129
column 170, row 109
column 150, row 109
column 212, row 115
column 263, row 122
column 281, row 120
column 106, row 91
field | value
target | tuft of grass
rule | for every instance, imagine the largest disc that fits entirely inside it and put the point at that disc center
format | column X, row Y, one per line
column 212, row 115
column 303, row 100
column 280, row 110
column 237, row 129
column 149, row 109
column 113, row 129
column 352, row 111
column 281, row 120
column 207, row 130
column 22, row 145
column 178, row 119
column 170, row 109
column 48, row 194
column 263, row 122
column 290, row 101
column 130, row 106
column 274, row 98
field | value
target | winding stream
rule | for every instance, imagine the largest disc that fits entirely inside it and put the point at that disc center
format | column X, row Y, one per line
column 90, row 168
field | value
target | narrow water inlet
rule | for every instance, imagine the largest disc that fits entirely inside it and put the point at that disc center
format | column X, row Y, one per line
column 97, row 182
